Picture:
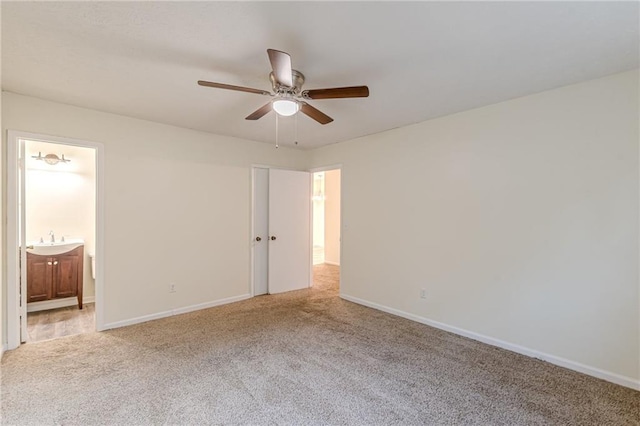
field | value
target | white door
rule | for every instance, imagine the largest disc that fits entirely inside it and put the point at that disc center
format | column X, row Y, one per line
column 22, row 241
column 289, row 230
column 15, row 237
column 260, row 231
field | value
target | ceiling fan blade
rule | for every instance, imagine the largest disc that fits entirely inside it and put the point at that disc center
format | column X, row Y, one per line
column 281, row 65
column 337, row 92
column 260, row 112
column 315, row 113
column 231, row 87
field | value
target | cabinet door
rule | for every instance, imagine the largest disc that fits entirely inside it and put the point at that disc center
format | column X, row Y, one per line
column 40, row 275
column 65, row 282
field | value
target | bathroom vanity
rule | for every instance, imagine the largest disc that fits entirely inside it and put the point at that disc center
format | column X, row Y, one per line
column 55, row 274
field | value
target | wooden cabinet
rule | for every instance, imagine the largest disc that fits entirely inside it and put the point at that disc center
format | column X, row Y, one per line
column 55, row 277
column 39, row 277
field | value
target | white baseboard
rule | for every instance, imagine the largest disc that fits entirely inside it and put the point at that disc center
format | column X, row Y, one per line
column 328, row 262
column 562, row 362
column 57, row 303
column 176, row 311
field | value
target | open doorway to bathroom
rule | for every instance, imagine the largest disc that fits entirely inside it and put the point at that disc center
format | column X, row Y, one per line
column 326, row 228
column 60, row 233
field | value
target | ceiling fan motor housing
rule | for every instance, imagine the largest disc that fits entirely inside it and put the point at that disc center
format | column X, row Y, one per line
column 298, row 81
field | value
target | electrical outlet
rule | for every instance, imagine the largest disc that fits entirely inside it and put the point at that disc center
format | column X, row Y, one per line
column 423, row 293
column 172, row 288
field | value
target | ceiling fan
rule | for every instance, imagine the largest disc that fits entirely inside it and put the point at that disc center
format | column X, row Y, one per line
column 288, row 96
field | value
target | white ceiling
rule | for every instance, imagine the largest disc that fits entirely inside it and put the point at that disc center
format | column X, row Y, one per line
column 420, row 59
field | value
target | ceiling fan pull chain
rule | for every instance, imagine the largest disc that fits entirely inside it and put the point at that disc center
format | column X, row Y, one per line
column 296, row 127
column 276, row 130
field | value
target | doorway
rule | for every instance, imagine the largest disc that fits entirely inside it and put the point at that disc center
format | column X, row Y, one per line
column 54, row 200
column 326, row 242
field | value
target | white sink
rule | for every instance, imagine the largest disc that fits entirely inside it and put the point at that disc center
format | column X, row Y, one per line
column 50, row 249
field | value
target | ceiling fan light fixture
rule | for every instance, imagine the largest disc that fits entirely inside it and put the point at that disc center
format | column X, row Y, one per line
column 285, row 107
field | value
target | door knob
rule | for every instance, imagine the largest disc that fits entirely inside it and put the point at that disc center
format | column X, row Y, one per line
column 273, row 238
column 258, row 239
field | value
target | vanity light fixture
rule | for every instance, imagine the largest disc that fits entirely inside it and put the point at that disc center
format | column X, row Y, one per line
column 52, row 159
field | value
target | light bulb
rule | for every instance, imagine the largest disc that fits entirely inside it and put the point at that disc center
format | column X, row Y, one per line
column 285, row 107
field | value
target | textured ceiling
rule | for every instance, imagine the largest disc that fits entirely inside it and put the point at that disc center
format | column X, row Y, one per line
column 420, row 59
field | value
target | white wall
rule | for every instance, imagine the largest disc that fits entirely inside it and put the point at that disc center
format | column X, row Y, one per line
column 3, row 276
column 318, row 209
column 332, row 217
column 520, row 220
column 61, row 198
column 177, row 205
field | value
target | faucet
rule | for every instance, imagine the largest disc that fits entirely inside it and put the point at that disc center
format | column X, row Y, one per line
column 53, row 237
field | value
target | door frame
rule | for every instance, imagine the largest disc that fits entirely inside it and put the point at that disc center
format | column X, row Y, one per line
column 337, row 166
column 252, row 222
column 13, row 304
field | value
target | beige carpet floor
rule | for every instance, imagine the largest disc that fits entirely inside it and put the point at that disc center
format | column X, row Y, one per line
column 302, row 358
